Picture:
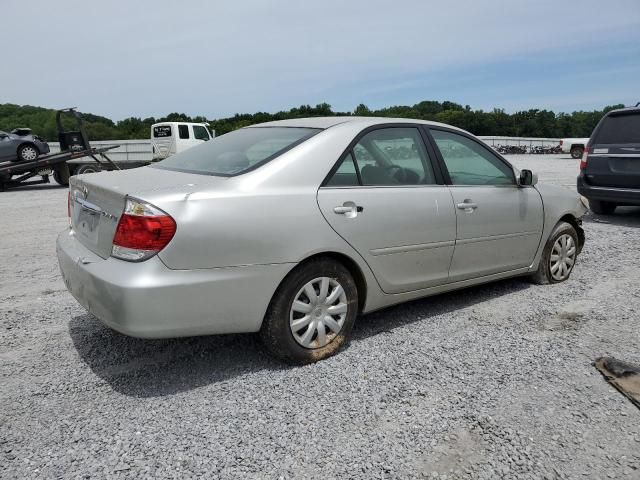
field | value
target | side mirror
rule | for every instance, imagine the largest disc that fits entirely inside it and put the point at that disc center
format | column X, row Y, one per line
column 527, row 178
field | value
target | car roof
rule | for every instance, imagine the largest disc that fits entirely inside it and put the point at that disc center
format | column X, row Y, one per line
column 327, row 122
column 624, row 110
column 179, row 123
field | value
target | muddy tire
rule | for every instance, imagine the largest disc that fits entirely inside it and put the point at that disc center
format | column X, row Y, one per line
column 312, row 313
column 559, row 256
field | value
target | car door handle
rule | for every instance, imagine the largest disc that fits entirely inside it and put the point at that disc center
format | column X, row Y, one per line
column 467, row 205
column 348, row 209
column 343, row 210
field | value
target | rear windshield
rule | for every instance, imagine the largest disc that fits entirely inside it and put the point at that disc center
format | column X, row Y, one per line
column 623, row 128
column 237, row 152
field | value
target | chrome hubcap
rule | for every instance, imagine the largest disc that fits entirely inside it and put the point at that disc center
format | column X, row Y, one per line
column 318, row 312
column 29, row 153
column 563, row 257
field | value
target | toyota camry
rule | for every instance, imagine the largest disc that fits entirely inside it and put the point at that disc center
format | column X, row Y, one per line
column 295, row 228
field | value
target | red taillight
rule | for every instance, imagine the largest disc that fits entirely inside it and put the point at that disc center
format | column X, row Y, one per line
column 144, row 233
column 583, row 161
column 143, row 230
column 561, row 142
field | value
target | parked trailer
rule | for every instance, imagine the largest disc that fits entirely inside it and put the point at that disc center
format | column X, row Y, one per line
column 45, row 166
column 76, row 156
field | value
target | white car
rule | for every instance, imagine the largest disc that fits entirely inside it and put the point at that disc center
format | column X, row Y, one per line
column 168, row 138
column 574, row 146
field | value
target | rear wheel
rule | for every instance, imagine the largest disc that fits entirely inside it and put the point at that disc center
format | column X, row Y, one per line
column 87, row 169
column 559, row 255
column 28, row 153
column 602, row 208
column 61, row 174
column 576, row 152
column 312, row 313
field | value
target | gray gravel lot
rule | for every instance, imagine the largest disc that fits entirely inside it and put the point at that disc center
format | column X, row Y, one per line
column 490, row 382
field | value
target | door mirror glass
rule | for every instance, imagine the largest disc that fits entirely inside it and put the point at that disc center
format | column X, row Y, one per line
column 527, row 178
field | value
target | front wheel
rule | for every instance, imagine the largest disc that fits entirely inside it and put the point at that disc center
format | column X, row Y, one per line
column 559, row 255
column 601, row 208
column 312, row 312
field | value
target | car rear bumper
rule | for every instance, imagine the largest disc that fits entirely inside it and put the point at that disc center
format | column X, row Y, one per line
column 149, row 300
column 621, row 196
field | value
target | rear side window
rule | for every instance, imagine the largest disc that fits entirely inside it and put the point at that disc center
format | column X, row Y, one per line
column 200, row 133
column 345, row 175
column 237, row 152
column 162, row 131
column 183, row 131
column 623, row 128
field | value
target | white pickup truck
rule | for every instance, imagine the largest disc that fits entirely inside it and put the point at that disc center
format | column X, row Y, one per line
column 574, row 146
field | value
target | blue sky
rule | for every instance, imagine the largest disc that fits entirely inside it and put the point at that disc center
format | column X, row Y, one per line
column 149, row 58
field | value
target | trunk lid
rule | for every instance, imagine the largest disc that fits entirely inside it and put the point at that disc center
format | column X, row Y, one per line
column 614, row 155
column 98, row 199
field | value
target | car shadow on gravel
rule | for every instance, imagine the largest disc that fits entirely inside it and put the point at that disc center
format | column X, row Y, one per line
column 152, row 368
column 623, row 216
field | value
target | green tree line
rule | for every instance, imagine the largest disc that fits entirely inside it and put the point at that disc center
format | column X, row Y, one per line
column 526, row 123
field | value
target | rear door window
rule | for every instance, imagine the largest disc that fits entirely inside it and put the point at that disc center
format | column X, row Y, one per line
column 620, row 128
column 393, row 156
column 183, row 131
column 386, row 157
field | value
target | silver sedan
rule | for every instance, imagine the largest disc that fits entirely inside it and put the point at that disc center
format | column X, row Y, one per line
column 294, row 228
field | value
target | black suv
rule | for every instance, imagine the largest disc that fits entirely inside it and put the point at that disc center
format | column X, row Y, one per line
column 610, row 166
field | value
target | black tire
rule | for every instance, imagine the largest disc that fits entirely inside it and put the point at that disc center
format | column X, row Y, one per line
column 4, row 179
column 276, row 333
column 61, row 174
column 28, row 150
column 543, row 275
column 576, row 152
column 87, row 169
column 602, row 208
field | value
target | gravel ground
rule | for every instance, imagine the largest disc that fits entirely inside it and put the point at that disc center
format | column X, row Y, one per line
column 489, row 382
